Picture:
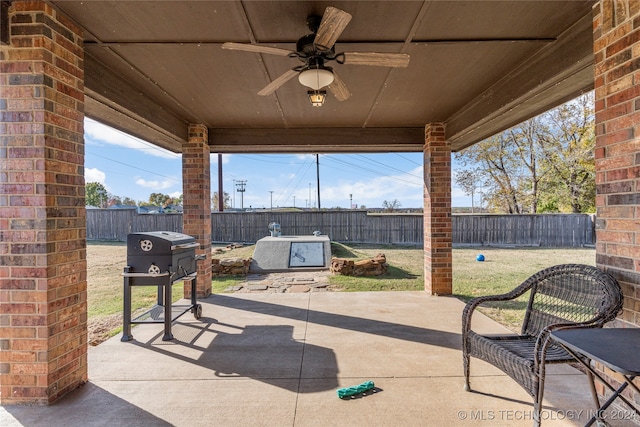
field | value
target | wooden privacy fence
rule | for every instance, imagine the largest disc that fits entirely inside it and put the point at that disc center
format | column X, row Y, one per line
column 549, row 230
column 115, row 224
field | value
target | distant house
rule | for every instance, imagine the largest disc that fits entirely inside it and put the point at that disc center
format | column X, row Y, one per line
column 173, row 209
column 150, row 209
column 122, row 207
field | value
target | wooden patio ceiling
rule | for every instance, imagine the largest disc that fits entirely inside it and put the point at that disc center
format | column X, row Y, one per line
column 152, row 67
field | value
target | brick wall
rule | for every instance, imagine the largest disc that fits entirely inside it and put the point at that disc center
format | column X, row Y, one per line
column 438, row 262
column 196, row 190
column 617, row 87
column 43, row 302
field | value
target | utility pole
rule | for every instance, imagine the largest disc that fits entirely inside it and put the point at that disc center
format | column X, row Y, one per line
column 318, row 177
column 350, row 201
column 294, row 202
column 241, row 188
column 220, row 189
column 271, row 191
column 234, row 194
column 309, row 195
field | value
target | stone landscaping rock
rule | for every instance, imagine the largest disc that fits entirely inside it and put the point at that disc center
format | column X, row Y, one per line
column 230, row 266
column 298, row 289
column 284, row 282
column 376, row 266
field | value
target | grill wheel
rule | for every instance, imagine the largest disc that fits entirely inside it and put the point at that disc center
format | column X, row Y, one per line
column 146, row 245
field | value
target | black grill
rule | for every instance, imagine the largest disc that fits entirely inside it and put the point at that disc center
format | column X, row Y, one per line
column 160, row 258
column 159, row 252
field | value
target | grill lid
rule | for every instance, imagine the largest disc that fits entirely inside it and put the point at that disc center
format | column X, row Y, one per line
column 158, row 242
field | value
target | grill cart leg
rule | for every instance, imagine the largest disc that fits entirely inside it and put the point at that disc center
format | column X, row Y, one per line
column 196, row 308
column 126, row 326
column 168, row 336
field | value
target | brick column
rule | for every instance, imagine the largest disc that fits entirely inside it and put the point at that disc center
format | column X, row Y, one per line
column 196, row 201
column 617, row 101
column 43, row 271
column 437, row 211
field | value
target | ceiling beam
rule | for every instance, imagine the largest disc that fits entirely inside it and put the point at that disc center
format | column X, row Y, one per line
column 317, row 140
column 115, row 102
column 559, row 72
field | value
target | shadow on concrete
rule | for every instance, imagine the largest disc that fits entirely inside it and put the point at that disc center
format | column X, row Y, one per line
column 267, row 353
column 71, row 410
column 358, row 324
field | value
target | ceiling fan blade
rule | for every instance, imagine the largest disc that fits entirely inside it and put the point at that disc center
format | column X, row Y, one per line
column 377, row 59
column 274, row 85
column 333, row 23
column 339, row 89
column 256, row 48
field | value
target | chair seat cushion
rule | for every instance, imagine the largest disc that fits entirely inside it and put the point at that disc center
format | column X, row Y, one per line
column 514, row 354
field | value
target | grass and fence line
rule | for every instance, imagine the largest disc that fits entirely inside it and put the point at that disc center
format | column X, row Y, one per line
column 533, row 242
column 546, row 230
column 502, row 270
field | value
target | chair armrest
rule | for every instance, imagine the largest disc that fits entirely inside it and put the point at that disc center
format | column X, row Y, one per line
column 476, row 302
column 544, row 339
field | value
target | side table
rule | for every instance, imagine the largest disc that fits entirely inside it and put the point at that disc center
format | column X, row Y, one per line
column 616, row 348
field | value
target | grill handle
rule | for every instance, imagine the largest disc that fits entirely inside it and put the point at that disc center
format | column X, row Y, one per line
column 185, row 246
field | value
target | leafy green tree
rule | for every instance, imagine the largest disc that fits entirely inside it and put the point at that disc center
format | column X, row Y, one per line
column 159, row 199
column 96, row 194
column 569, row 156
column 128, row 202
column 545, row 164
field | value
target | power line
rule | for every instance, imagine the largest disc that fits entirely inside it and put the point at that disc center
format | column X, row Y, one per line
column 408, row 160
column 376, row 173
column 241, row 188
column 134, row 167
column 387, row 166
column 244, row 156
column 292, row 178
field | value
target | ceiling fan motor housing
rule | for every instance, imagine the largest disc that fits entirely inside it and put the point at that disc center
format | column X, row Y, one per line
column 305, row 45
column 313, row 22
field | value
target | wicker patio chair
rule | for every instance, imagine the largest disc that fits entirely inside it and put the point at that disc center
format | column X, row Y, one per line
column 563, row 296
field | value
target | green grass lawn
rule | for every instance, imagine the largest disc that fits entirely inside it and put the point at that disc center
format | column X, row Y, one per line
column 502, row 270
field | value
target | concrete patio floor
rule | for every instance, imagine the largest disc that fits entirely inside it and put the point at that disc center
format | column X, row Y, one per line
column 278, row 359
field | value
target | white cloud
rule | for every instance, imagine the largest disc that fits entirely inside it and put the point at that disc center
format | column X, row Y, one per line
column 98, row 133
column 406, row 188
column 156, row 185
column 306, row 157
column 175, row 194
column 94, row 175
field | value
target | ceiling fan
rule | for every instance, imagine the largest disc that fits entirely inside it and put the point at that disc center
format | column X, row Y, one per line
column 315, row 50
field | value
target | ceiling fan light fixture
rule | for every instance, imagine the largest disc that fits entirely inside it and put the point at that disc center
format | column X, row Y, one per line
column 316, row 78
column 317, row 97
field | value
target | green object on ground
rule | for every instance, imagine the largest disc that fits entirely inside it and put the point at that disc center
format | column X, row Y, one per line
column 360, row 388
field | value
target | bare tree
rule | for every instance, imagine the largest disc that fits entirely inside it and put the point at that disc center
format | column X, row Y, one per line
column 390, row 206
column 468, row 181
column 226, row 200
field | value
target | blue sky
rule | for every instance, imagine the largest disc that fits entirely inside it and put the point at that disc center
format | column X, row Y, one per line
column 130, row 167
